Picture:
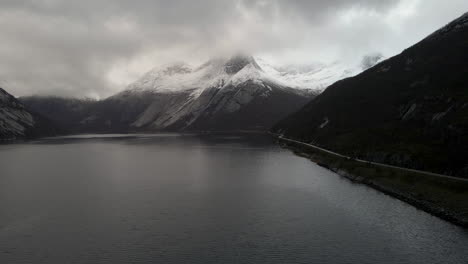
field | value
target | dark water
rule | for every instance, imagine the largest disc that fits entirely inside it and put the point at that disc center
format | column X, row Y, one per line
column 201, row 199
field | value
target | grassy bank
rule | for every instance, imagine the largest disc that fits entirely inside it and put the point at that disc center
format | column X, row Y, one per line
column 446, row 198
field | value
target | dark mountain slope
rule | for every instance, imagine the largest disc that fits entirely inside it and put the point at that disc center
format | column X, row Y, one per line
column 221, row 95
column 410, row 110
column 18, row 122
column 248, row 107
column 90, row 116
column 67, row 112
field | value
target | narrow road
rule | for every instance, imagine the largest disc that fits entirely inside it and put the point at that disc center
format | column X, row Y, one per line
column 370, row 162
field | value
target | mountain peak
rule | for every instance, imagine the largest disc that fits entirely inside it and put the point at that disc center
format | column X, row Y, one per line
column 238, row 62
column 177, row 68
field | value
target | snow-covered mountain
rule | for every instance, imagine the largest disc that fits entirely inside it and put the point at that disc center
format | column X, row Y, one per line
column 221, row 94
column 227, row 94
column 410, row 110
column 218, row 72
column 317, row 77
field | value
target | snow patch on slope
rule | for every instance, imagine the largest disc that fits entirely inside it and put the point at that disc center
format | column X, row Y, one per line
column 219, row 73
column 248, row 73
column 216, row 73
column 315, row 77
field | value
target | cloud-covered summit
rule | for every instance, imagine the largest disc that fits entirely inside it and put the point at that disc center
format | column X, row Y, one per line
column 94, row 48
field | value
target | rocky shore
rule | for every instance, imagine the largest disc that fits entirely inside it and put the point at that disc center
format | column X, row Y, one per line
column 441, row 197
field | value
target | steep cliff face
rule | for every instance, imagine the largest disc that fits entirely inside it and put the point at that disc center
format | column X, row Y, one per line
column 17, row 122
column 233, row 94
column 410, row 110
column 220, row 95
column 223, row 94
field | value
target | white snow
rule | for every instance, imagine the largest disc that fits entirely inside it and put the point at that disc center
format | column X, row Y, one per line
column 178, row 78
column 181, row 77
column 248, row 73
column 210, row 74
column 316, row 77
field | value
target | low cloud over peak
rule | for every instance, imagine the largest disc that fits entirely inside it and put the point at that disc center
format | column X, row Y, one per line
column 94, row 48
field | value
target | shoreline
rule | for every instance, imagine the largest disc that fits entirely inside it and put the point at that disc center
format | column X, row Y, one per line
column 446, row 198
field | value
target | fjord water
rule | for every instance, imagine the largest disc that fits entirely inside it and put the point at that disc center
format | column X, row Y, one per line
column 201, row 199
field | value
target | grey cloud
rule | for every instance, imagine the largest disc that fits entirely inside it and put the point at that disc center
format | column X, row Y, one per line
column 92, row 48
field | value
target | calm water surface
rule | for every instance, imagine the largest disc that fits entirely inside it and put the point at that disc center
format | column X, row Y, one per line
column 201, row 199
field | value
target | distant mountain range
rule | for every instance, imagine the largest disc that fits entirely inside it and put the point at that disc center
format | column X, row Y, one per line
column 317, row 77
column 410, row 110
column 240, row 93
column 232, row 94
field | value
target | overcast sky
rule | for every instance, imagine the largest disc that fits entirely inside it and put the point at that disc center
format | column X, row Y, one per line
column 93, row 48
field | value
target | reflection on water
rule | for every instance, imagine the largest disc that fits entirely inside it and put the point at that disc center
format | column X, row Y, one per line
column 172, row 198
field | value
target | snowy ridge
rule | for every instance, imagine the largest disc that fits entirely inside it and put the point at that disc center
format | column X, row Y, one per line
column 183, row 96
column 216, row 73
column 316, row 77
column 248, row 73
column 175, row 78
column 219, row 73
